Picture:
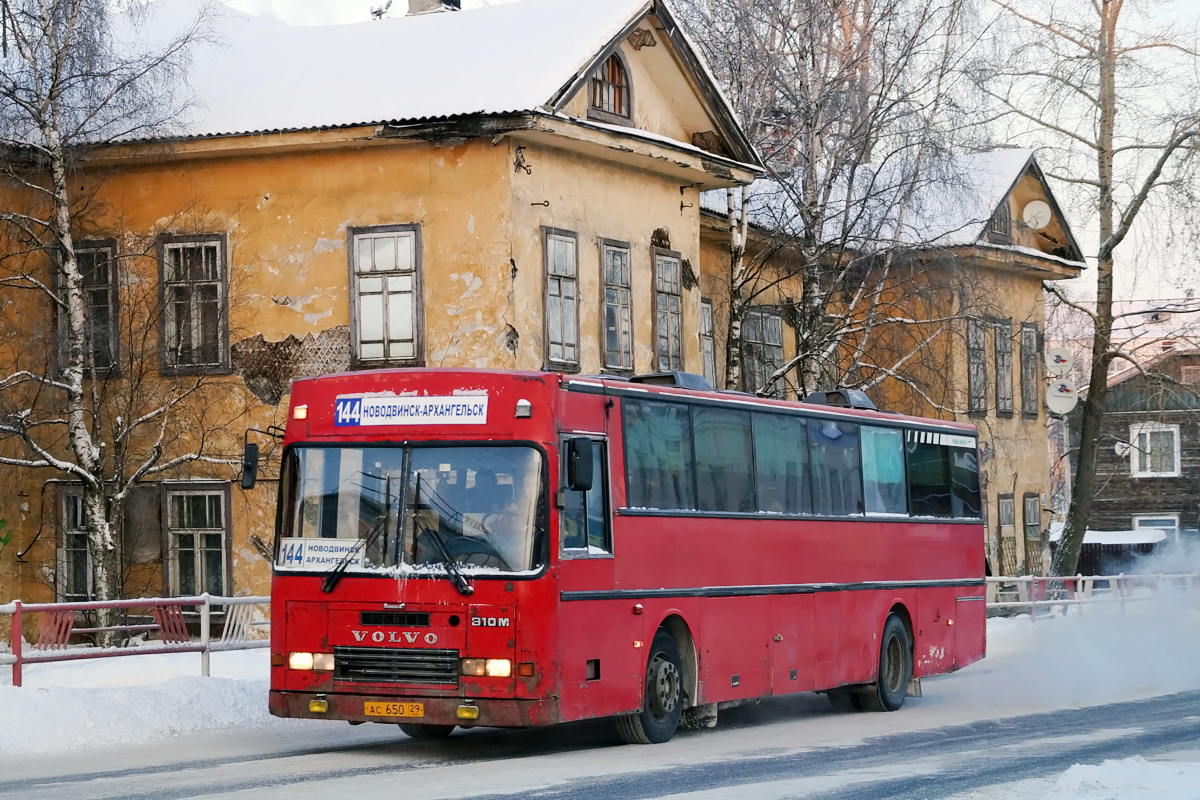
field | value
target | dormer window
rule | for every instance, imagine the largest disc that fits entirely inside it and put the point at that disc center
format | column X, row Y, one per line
column 610, row 94
column 1000, row 226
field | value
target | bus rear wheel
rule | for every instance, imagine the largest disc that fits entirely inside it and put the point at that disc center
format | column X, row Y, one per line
column 659, row 717
column 895, row 668
column 425, row 733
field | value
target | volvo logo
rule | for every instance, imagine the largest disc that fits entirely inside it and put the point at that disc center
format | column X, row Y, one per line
column 394, row 637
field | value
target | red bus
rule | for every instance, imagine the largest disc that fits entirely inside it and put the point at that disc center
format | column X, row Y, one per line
column 468, row 547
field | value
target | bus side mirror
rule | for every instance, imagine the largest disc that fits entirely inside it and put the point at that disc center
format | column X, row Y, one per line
column 250, row 465
column 579, row 464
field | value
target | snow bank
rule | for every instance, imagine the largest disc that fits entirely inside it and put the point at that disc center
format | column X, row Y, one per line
column 1111, row 780
column 132, row 700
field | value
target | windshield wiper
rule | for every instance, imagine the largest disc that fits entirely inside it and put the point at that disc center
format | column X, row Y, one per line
column 456, row 577
column 335, row 575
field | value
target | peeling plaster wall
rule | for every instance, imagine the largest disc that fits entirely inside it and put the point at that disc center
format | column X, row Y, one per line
column 600, row 201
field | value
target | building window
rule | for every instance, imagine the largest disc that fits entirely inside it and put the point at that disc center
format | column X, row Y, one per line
column 1189, row 375
column 196, row 535
column 194, row 286
column 1000, row 225
column 74, row 555
column 1167, row 523
column 562, row 298
column 668, row 315
column 1033, row 516
column 1031, row 378
column 976, row 367
column 762, row 348
column 1008, row 511
column 1004, row 367
column 1155, row 450
column 618, row 306
column 98, row 272
column 385, row 270
column 611, row 96
column 708, row 350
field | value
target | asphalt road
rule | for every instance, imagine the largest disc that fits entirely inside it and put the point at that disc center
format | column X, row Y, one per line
column 772, row 750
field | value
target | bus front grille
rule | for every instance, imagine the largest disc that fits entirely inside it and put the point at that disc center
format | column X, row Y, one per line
column 386, row 665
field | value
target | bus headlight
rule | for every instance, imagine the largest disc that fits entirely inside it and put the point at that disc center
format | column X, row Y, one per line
column 498, row 667
column 491, row 667
column 321, row 662
column 300, row 661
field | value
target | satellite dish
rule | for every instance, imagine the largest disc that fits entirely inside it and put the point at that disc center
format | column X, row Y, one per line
column 1036, row 214
column 1062, row 396
column 1059, row 361
column 1122, row 449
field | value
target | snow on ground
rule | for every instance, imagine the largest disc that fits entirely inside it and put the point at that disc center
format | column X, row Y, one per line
column 1101, row 655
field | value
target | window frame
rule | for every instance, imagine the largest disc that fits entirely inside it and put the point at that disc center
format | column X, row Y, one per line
column 977, row 383
column 1009, row 500
column 357, row 361
column 221, row 488
column 1031, row 382
column 599, row 113
column 1002, row 344
column 1033, row 531
column 656, row 254
column 1139, row 518
column 222, row 365
column 559, row 364
column 114, row 309
column 68, row 497
column 607, row 245
column 708, row 342
column 1135, row 453
column 753, row 352
column 999, row 228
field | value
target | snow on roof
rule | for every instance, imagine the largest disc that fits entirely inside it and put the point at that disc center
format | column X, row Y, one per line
column 265, row 75
column 951, row 201
column 1140, row 536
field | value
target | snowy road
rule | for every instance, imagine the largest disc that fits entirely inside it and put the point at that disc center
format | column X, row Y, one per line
column 766, row 751
column 1103, row 704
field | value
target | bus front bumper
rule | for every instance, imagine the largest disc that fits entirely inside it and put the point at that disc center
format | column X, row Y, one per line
column 500, row 713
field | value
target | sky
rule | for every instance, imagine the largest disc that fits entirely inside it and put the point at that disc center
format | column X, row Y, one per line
column 331, row 12
column 1061, row 662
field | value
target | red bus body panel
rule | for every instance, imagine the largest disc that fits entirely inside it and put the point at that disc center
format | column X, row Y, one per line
column 763, row 605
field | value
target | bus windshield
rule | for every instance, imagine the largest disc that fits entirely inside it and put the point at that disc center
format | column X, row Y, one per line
column 387, row 508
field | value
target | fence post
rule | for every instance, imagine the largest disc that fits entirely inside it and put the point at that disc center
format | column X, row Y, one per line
column 16, row 643
column 205, row 632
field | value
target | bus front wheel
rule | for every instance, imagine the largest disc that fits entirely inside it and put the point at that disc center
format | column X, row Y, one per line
column 663, row 703
column 425, row 733
column 895, row 668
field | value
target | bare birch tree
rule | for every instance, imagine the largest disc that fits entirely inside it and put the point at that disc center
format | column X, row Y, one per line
column 1110, row 97
column 854, row 106
column 77, row 75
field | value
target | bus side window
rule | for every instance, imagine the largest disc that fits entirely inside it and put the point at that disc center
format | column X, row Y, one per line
column 583, row 521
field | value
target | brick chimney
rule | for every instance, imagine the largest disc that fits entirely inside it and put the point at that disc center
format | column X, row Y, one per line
column 427, row 6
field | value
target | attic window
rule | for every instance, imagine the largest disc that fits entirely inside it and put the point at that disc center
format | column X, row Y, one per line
column 611, row 95
column 1000, row 226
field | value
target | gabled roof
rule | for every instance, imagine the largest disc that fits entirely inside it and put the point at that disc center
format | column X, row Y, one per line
column 267, row 76
column 950, row 205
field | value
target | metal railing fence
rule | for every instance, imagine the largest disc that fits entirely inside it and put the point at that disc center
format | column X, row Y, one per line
column 1031, row 592
column 244, row 624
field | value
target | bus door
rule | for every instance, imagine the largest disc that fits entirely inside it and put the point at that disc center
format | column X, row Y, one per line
column 601, row 670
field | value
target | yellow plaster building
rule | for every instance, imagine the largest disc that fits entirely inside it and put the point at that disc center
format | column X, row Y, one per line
column 523, row 194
